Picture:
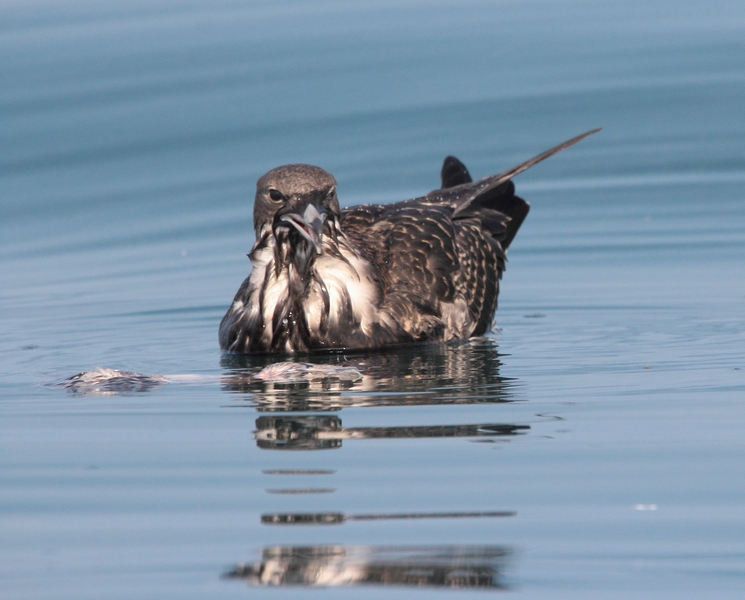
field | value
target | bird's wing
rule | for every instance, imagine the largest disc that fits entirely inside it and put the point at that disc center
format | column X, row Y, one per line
column 449, row 244
column 416, row 242
column 412, row 247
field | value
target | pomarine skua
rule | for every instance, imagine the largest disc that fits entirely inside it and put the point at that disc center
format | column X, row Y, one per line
column 373, row 276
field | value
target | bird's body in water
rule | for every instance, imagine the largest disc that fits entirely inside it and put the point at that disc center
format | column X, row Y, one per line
column 373, row 276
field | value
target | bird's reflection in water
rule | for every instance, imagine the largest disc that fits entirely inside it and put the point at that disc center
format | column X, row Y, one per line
column 340, row 518
column 420, row 566
column 313, row 432
column 464, row 372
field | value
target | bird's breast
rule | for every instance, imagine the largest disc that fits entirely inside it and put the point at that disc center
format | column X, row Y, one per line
column 343, row 297
column 338, row 298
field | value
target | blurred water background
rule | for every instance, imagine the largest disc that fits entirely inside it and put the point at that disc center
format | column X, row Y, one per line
column 593, row 446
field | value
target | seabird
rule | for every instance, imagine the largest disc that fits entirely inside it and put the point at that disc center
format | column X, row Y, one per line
column 376, row 275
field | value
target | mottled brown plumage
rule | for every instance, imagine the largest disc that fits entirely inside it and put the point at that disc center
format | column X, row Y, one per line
column 373, row 276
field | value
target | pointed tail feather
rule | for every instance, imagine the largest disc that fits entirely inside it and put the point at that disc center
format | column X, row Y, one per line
column 489, row 183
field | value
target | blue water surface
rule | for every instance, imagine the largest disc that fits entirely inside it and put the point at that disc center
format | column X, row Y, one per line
column 591, row 446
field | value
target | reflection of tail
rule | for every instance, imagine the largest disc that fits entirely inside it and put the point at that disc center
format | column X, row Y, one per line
column 319, row 433
column 339, row 518
column 435, row 566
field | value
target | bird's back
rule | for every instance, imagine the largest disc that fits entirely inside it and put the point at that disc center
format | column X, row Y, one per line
column 439, row 258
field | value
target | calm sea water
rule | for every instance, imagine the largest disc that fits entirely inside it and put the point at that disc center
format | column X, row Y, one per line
column 592, row 446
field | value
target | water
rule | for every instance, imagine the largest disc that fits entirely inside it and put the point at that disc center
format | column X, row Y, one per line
column 592, row 446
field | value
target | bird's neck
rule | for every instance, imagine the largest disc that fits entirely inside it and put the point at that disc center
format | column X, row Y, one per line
column 293, row 262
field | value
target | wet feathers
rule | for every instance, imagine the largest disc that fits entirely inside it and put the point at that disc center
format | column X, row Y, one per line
column 373, row 276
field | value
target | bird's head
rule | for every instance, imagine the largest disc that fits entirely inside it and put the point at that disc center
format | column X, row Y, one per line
column 296, row 204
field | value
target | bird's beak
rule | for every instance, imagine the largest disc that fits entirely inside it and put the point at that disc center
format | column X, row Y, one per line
column 309, row 225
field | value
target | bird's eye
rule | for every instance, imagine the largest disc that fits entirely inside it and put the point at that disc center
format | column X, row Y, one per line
column 276, row 195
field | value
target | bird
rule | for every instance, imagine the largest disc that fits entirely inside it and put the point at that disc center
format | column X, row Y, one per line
column 376, row 275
